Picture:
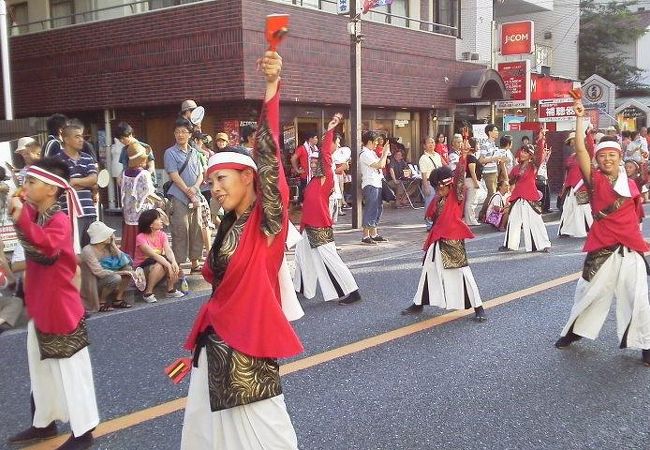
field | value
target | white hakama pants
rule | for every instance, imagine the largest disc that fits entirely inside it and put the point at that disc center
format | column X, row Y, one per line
column 260, row 425
column 446, row 288
column 622, row 276
column 576, row 219
column 321, row 266
column 63, row 389
column 524, row 218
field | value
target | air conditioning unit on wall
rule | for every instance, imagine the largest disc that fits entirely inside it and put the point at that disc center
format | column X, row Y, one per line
column 474, row 56
column 465, row 56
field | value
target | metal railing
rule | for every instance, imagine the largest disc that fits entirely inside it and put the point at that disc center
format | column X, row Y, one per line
column 93, row 15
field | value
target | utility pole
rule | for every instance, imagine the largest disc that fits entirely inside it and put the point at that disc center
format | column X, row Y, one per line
column 6, row 68
column 354, row 28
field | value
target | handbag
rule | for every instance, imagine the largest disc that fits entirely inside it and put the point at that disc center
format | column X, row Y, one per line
column 495, row 217
column 116, row 262
column 168, row 184
column 387, row 193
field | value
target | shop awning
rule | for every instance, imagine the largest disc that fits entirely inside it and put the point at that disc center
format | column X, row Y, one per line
column 479, row 84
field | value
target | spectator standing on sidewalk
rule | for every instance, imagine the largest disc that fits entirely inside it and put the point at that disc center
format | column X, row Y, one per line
column 83, row 177
column 473, row 175
column 429, row 161
column 184, row 170
column 371, row 168
column 55, row 124
column 29, row 149
column 300, row 162
column 124, row 133
column 489, row 157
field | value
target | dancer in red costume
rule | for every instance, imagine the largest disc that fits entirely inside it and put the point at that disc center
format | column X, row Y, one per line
column 447, row 280
column 317, row 262
column 614, row 266
column 576, row 216
column 60, row 371
column 525, row 215
column 235, row 398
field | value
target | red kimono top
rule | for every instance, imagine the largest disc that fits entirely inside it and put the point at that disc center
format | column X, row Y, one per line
column 619, row 227
column 573, row 173
column 315, row 206
column 449, row 223
column 245, row 309
column 51, row 298
column 525, row 176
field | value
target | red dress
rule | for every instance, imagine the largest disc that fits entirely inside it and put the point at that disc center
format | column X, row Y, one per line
column 449, row 224
column 525, row 176
column 619, row 227
column 315, row 207
column 245, row 309
column 51, row 298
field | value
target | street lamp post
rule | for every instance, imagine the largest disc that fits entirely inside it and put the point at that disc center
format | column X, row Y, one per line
column 355, row 108
column 6, row 69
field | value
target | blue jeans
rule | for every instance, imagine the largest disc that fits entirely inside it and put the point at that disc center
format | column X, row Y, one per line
column 427, row 201
column 372, row 207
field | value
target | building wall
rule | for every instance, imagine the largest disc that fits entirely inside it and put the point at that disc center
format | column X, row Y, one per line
column 154, row 59
column 148, row 59
column 564, row 25
column 476, row 24
column 401, row 72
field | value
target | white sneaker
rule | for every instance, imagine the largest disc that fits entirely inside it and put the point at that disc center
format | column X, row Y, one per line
column 149, row 298
column 140, row 279
column 175, row 294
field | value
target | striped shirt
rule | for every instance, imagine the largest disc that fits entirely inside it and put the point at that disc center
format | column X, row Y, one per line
column 81, row 167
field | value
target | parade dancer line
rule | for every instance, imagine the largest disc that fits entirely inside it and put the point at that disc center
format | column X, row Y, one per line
column 317, row 262
column 576, row 211
column 235, row 399
column 614, row 266
column 447, row 280
column 59, row 363
column 523, row 217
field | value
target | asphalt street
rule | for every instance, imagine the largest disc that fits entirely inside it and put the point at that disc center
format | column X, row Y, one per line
column 457, row 384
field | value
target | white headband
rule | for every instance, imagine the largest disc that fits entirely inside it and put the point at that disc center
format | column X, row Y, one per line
column 610, row 145
column 230, row 160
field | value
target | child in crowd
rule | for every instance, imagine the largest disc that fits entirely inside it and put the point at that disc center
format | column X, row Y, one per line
column 57, row 340
column 497, row 212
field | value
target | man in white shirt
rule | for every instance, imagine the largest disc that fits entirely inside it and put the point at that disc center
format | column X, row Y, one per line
column 428, row 161
column 488, row 156
column 370, row 168
column 507, row 160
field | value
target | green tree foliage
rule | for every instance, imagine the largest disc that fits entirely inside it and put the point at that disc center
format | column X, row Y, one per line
column 604, row 30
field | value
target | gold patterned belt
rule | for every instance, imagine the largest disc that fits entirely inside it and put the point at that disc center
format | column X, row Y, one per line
column 61, row 346
column 453, row 253
column 234, row 378
column 319, row 236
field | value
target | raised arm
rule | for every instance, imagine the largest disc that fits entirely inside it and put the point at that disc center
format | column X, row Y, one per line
column 459, row 175
column 272, row 188
column 540, row 150
column 582, row 155
column 327, row 148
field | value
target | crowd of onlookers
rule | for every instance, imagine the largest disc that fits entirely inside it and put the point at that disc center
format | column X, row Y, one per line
column 145, row 255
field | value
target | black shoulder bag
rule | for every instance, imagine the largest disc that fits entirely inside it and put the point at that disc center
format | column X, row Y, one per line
column 168, row 184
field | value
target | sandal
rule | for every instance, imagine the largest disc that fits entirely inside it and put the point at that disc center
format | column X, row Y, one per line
column 105, row 307
column 121, row 304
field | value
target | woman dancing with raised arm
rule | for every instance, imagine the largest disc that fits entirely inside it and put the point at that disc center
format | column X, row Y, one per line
column 614, row 266
column 317, row 261
column 235, row 400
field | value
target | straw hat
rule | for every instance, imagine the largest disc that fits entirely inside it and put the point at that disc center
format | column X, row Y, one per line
column 25, row 142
